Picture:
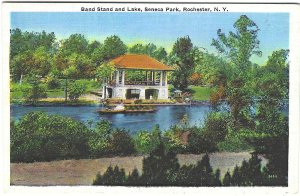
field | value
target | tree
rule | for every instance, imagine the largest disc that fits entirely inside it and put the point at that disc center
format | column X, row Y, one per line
column 227, row 179
column 113, row 47
column 150, row 49
column 36, row 92
column 103, row 72
column 100, row 138
column 76, row 89
column 272, row 131
column 238, row 47
column 121, row 143
column 182, row 58
column 112, row 176
column 72, row 59
column 30, row 53
column 133, row 178
column 145, row 141
column 159, row 167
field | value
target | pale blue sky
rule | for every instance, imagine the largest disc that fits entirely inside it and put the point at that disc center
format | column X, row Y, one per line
column 161, row 29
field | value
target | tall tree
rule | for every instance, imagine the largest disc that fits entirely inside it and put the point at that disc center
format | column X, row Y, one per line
column 182, row 58
column 113, row 47
column 238, row 47
column 30, row 52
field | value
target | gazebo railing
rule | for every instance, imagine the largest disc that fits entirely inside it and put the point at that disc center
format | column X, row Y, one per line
column 137, row 83
column 142, row 83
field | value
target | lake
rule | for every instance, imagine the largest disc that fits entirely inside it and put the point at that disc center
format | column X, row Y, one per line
column 165, row 116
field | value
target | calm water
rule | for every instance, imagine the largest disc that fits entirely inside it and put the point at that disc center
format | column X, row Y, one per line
column 165, row 116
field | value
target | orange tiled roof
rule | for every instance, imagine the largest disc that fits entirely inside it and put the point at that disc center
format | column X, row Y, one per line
column 139, row 61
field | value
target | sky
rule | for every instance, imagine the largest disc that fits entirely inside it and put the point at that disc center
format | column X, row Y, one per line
column 162, row 29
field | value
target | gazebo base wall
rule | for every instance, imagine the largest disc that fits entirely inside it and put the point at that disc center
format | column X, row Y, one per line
column 121, row 91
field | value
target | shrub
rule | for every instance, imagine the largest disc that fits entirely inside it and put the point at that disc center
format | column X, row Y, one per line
column 234, row 142
column 214, row 131
column 35, row 92
column 100, row 138
column 112, row 176
column 145, row 141
column 41, row 137
column 121, row 143
column 76, row 89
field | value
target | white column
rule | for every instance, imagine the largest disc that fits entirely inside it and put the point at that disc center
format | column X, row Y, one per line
column 142, row 93
column 117, row 77
column 166, row 78
column 160, row 78
column 152, row 76
column 123, row 77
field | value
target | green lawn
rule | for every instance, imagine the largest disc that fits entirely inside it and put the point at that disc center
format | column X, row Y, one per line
column 17, row 89
column 201, row 93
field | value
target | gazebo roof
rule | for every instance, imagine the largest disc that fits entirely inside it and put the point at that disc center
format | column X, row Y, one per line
column 139, row 61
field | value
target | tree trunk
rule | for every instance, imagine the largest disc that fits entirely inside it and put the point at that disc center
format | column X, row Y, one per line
column 21, row 79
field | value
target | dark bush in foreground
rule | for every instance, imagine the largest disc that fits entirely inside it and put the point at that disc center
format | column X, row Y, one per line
column 41, row 137
column 161, row 168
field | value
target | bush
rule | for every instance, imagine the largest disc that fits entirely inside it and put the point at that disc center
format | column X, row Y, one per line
column 145, row 141
column 41, row 137
column 112, row 176
column 234, row 142
column 100, row 138
column 104, row 140
column 35, row 92
column 214, row 131
column 76, row 89
column 121, row 143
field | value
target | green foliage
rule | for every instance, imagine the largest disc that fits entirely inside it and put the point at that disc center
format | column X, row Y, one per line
column 159, row 166
column 134, row 75
column 214, row 69
column 112, row 176
column 121, row 143
column 145, row 142
column 100, row 138
column 41, row 137
column 113, row 47
column 35, row 92
column 183, row 60
column 105, row 70
column 75, row 90
column 213, row 132
column 151, row 50
column 103, row 140
column 227, row 179
column 133, row 178
column 239, row 46
column 234, row 142
column 53, row 83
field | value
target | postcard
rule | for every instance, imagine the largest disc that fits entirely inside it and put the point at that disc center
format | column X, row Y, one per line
column 152, row 96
